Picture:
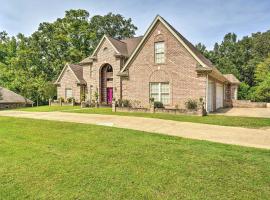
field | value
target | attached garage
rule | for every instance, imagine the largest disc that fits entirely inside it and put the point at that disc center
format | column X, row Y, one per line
column 219, row 95
column 210, row 96
column 215, row 95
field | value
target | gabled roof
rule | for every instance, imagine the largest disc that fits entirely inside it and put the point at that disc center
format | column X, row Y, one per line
column 204, row 62
column 77, row 71
column 119, row 45
column 231, row 78
column 122, row 47
column 9, row 96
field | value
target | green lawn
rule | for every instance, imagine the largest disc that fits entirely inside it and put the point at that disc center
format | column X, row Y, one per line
column 57, row 160
column 249, row 122
column 49, row 108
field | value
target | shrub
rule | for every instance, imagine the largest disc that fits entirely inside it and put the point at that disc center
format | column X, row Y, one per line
column 69, row 100
column 151, row 99
column 191, row 104
column 126, row 103
column 119, row 103
column 61, row 99
column 83, row 97
column 158, row 104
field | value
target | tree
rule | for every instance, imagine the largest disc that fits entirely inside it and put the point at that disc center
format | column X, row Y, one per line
column 261, row 92
column 246, row 59
column 1, row 95
column 29, row 65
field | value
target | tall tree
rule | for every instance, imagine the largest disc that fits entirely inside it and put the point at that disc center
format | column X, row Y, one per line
column 28, row 65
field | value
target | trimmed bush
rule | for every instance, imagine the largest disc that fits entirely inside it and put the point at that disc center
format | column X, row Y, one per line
column 191, row 104
column 158, row 104
column 69, row 100
column 126, row 103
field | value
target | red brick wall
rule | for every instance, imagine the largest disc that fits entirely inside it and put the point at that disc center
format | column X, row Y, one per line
column 103, row 57
column 179, row 70
column 68, row 80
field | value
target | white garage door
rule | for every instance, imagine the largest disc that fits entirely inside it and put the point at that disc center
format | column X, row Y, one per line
column 219, row 95
column 210, row 96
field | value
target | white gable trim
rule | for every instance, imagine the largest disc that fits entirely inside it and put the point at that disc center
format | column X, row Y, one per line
column 100, row 43
column 158, row 18
column 62, row 72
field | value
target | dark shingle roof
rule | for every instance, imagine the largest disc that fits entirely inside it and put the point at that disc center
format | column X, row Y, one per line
column 9, row 96
column 132, row 43
column 78, row 71
column 126, row 46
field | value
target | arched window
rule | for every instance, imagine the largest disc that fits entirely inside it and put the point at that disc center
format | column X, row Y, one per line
column 109, row 68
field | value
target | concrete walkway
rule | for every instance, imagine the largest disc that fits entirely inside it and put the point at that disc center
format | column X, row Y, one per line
column 259, row 138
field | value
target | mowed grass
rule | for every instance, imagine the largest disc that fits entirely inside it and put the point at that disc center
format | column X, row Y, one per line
column 249, row 122
column 57, row 160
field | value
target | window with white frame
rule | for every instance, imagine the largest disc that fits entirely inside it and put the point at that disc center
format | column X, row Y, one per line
column 68, row 93
column 159, row 52
column 160, row 92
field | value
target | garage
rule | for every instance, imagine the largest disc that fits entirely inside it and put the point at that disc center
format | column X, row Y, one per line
column 210, row 95
column 219, row 96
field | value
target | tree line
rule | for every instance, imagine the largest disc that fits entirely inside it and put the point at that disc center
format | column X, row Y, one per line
column 248, row 59
column 29, row 65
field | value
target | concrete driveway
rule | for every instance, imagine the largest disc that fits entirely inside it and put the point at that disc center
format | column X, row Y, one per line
column 245, row 112
column 259, row 138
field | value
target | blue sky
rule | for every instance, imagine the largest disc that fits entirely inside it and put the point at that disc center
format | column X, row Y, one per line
column 203, row 21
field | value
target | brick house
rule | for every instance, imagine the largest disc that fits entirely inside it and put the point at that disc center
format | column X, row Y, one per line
column 162, row 65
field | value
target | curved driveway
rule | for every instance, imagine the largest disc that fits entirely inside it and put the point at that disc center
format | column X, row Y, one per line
column 259, row 138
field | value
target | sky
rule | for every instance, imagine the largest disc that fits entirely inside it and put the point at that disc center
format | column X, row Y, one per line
column 205, row 21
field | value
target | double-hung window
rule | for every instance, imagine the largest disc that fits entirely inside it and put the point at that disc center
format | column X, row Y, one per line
column 159, row 52
column 160, row 92
column 68, row 93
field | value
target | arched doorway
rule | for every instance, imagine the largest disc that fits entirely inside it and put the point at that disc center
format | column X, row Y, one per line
column 106, row 84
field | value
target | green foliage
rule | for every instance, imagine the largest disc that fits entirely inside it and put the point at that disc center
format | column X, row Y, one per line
column 191, row 104
column 261, row 92
column 126, row 103
column 70, row 99
column 1, row 95
column 248, row 59
column 29, row 65
column 158, row 104
column 243, row 91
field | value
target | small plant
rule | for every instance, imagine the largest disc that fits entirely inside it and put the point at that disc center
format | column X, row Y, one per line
column 158, row 104
column 151, row 100
column 83, row 97
column 70, row 99
column 201, row 99
column 191, row 104
column 96, row 95
column 119, row 103
column 126, row 103
column 61, row 99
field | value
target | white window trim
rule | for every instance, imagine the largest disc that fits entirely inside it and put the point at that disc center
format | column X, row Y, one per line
column 66, row 93
column 159, row 91
column 159, row 53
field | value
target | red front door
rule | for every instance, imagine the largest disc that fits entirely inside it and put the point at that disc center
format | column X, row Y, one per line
column 109, row 95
